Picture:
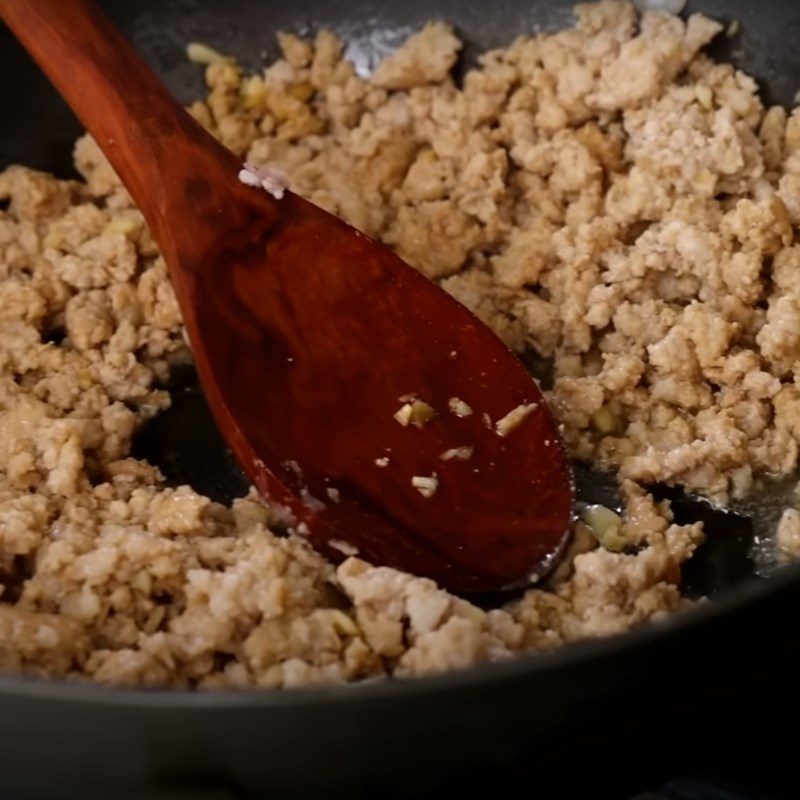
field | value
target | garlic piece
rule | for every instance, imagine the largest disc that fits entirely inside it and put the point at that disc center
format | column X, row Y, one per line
column 425, row 485
column 460, row 453
column 514, row 418
column 459, row 407
column 200, row 53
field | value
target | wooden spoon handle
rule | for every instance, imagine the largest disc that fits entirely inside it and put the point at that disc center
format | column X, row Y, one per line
column 146, row 135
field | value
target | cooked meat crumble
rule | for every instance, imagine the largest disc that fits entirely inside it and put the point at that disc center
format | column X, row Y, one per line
column 605, row 195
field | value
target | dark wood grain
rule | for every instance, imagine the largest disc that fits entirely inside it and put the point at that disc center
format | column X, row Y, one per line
column 306, row 333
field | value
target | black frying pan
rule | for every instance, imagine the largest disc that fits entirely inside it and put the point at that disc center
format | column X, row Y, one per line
column 702, row 693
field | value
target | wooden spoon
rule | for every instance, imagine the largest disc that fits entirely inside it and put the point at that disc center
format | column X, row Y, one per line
column 309, row 336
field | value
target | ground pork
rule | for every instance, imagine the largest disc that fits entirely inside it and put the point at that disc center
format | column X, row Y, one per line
column 606, row 196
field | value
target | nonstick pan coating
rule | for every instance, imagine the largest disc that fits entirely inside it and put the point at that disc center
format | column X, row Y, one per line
column 596, row 719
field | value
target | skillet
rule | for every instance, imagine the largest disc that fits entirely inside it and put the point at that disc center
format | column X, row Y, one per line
column 701, row 692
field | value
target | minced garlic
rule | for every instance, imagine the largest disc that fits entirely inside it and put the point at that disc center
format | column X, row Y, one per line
column 425, row 485
column 606, row 526
column 460, row 453
column 459, row 407
column 345, row 548
column 201, row 53
column 514, row 418
column 416, row 413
